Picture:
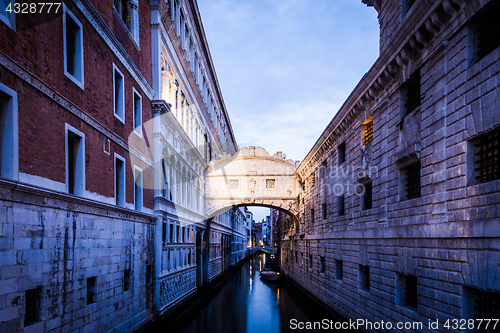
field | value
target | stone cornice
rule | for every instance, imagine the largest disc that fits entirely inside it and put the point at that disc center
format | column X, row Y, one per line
column 36, row 196
column 427, row 20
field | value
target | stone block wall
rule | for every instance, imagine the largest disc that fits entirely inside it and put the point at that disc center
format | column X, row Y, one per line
column 448, row 237
column 56, row 243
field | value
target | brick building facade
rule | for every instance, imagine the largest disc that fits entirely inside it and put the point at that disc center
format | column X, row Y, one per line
column 94, row 235
column 399, row 207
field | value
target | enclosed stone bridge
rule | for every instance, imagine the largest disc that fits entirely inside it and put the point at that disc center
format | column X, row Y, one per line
column 252, row 177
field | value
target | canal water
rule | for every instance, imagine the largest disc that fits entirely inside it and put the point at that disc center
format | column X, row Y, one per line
column 247, row 304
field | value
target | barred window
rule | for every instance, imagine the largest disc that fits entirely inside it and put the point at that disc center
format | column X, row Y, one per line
column 485, row 31
column 323, row 211
column 368, row 131
column 312, row 215
column 412, row 93
column 33, row 306
column 406, row 293
column 487, row 157
column 483, row 305
column 412, row 179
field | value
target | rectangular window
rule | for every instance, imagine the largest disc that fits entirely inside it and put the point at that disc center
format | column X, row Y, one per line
column 270, row 183
column 487, row 157
column 485, row 28
column 9, row 152
column 172, row 233
column 364, row 277
column 8, row 17
column 310, row 261
column 341, row 205
column 312, row 215
column 164, row 232
column 138, row 186
column 75, row 161
column 406, row 290
column 137, row 113
column 367, row 196
column 119, row 94
column 91, row 290
column 119, row 181
column 322, row 264
column 33, row 306
column 339, row 269
column 411, row 92
column 126, row 280
column 482, row 304
column 412, row 181
column 73, row 48
column 122, row 7
column 341, row 153
column 323, row 211
column 367, row 127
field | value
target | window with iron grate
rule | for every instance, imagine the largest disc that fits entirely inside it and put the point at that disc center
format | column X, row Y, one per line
column 33, row 306
column 406, row 293
column 487, row 157
column 485, row 31
column 368, row 131
column 483, row 304
column 412, row 93
column 412, row 181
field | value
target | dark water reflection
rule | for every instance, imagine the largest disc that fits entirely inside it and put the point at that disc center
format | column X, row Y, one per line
column 246, row 304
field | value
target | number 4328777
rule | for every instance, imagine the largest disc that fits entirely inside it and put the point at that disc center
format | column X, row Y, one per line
column 33, row 8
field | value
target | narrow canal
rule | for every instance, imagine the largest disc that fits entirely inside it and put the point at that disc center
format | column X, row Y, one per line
column 247, row 304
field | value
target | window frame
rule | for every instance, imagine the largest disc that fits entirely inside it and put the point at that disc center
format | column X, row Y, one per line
column 78, row 81
column 141, row 187
column 9, row 19
column 120, row 114
column 9, row 158
column 80, row 185
column 124, row 183
column 137, row 127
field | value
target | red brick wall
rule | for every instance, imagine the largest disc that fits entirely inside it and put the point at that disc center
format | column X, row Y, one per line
column 38, row 48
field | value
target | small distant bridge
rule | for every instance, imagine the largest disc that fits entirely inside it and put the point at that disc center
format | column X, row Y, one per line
column 265, row 249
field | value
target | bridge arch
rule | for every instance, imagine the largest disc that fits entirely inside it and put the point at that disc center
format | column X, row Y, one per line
column 252, row 177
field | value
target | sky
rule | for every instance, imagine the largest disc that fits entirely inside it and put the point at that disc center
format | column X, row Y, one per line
column 285, row 67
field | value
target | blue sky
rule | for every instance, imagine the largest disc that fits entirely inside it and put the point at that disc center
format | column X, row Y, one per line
column 286, row 66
